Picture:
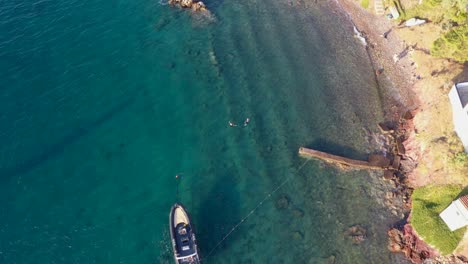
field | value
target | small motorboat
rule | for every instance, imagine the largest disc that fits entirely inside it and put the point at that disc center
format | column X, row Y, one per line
column 184, row 243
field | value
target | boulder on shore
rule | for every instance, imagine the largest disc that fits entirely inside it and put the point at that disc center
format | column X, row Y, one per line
column 199, row 6
column 408, row 242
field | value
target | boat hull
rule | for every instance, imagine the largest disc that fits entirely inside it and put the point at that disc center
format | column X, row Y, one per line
column 184, row 243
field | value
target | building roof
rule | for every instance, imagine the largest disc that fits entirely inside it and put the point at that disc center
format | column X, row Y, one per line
column 464, row 200
column 456, row 214
column 462, row 89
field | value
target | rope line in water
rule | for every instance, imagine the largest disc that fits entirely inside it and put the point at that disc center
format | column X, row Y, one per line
column 177, row 190
column 255, row 209
column 178, row 178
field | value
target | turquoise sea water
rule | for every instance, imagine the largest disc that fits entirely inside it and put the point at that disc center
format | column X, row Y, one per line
column 102, row 103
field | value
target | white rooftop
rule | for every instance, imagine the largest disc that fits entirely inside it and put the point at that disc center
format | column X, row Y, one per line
column 459, row 99
column 456, row 215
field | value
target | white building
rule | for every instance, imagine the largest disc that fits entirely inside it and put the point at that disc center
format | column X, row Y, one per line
column 456, row 215
column 459, row 100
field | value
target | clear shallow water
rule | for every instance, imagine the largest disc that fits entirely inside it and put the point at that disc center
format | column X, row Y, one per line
column 103, row 103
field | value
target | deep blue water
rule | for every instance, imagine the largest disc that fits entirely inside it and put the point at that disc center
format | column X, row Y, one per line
column 102, row 103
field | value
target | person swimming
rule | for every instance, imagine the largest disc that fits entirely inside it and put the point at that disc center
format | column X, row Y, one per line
column 246, row 122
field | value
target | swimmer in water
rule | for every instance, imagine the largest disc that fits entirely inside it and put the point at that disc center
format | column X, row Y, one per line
column 246, row 122
column 231, row 124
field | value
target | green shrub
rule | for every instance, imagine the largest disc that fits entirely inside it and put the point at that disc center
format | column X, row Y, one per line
column 440, row 11
column 460, row 159
column 428, row 203
column 453, row 45
column 434, row 3
column 365, row 3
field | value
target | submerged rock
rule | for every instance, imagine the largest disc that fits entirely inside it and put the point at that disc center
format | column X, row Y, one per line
column 298, row 213
column 297, row 235
column 200, row 13
column 282, row 202
column 357, row 234
column 331, row 259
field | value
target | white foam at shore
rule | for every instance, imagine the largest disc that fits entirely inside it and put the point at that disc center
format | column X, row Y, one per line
column 359, row 36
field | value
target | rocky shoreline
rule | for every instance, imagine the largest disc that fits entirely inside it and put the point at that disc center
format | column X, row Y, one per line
column 395, row 73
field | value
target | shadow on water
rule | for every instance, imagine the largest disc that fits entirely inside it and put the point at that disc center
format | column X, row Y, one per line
column 325, row 145
column 58, row 148
column 218, row 213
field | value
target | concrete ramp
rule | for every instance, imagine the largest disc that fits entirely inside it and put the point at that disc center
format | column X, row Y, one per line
column 375, row 162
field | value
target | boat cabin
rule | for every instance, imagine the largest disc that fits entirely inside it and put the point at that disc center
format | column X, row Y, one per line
column 183, row 237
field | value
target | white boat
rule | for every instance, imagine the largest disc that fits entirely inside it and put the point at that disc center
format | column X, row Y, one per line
column 184, row 243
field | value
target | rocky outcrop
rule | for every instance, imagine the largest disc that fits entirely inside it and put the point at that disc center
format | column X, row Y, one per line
column 451, row 259
column 297, row 213
column 297, row 235
column 199, row 6
column 202, row 16
column 282, row 202
column 405, row 240
column 356, row 233
column 196, row 6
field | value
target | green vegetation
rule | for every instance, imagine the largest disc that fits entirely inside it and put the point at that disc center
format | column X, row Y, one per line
column 454, row 44
column 447, row 160
column 440, row 11
column 460, row 160
column 452, row 16
column 428, row 203
column 365, row 3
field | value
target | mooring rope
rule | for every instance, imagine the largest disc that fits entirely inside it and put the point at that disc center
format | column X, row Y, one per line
column 255, row 209
column 178, row 179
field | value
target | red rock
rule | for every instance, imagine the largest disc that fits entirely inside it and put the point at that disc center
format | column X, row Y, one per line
column 410, row 244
